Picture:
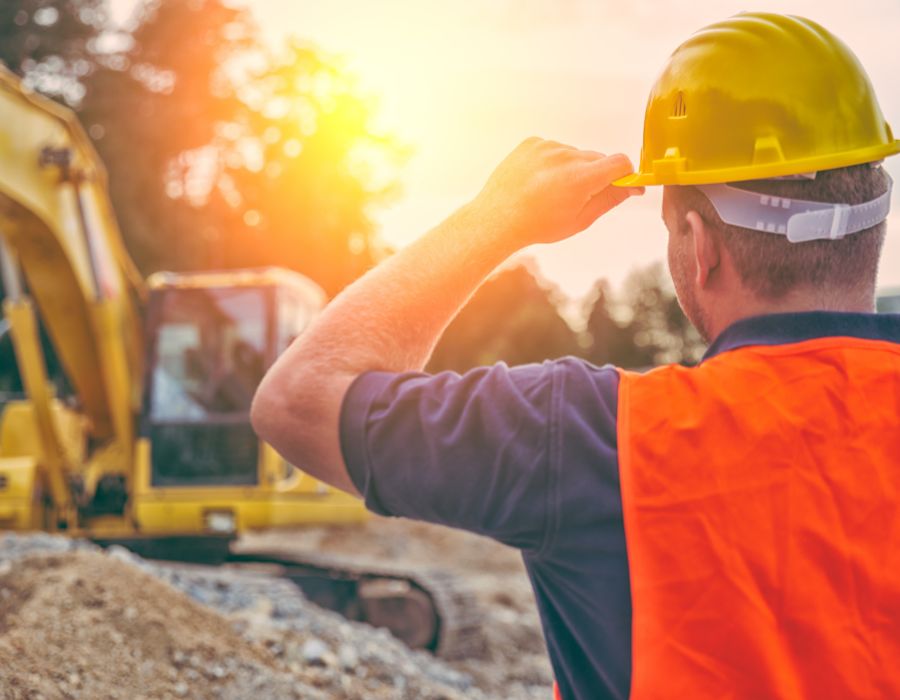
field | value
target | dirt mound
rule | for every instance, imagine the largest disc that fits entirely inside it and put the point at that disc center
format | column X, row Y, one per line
column 85, row 625
column 79, row 623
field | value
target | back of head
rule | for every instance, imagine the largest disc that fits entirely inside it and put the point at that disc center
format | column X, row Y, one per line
column 775, row 105
column 771, row 266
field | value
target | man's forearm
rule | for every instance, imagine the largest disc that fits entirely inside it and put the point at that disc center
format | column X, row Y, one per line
column 393, row 316
column 389, row 320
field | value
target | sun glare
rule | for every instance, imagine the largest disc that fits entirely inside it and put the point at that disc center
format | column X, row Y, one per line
column 461, row 83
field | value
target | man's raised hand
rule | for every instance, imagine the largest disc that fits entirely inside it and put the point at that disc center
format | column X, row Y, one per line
column 546, row 191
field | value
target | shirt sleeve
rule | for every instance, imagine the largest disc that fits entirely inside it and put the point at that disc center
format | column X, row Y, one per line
column 478, row 451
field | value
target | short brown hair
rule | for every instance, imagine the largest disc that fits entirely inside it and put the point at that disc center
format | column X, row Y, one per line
column 770, row 265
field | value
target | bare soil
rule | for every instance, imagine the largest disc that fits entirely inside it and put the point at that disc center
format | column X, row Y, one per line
column 516, row 664
column 84, row 624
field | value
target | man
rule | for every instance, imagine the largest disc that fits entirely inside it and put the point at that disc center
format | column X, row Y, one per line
column 729, row 530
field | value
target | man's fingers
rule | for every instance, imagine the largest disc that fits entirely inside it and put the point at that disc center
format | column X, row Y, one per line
column 555, row 189
column 599, row 205
column 557, row 153
column 599, row 173
column 602, row 202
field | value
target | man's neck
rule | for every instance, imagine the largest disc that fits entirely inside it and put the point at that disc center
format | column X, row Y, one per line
column 798, row 301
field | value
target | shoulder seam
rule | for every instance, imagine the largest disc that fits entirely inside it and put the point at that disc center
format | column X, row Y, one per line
column 551, row 524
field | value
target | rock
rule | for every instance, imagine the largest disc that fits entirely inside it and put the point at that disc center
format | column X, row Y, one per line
column 348, row 658
column 217, row 672
column 122, row 554
column 315, row 652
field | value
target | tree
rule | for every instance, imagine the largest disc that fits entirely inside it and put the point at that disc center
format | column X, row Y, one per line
column 511, row 318
column 306, row 156
column 661, row 331
column 607, row 341
column 154, row 110
column 219, row 153
column 652, row 329
column 50, row 43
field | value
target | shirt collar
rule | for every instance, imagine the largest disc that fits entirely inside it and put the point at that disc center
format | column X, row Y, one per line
column 782, row 329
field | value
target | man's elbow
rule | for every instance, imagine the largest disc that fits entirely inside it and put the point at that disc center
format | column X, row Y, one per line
column 288, row 413
column 298, row 418
column 265, row 412
column 280, row 423
column 273, row 412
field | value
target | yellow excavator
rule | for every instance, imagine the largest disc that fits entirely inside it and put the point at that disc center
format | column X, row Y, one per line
column 124, row 403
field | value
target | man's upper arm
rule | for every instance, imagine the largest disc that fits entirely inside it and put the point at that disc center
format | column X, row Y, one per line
column 479, row 451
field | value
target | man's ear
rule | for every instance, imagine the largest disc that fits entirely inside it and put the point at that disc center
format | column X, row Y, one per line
column 707, row 253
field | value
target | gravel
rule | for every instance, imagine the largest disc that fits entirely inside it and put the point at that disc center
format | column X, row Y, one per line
column 283, row 646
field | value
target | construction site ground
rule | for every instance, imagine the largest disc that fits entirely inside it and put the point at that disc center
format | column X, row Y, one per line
column 77, row 622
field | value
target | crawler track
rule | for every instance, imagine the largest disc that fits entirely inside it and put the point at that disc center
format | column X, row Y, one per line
column 426, row 608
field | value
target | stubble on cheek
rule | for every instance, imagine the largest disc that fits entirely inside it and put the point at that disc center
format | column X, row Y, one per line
column 682, row 272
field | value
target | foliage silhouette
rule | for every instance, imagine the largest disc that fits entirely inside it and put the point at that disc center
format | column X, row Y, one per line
column 511, row 318
column 220, row 153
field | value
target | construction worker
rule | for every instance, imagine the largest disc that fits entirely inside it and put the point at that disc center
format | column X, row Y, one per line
column 727, row 530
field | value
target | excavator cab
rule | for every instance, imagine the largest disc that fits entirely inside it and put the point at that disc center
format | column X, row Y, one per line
column 209, row 348
column 210, row 342
column 210, row 338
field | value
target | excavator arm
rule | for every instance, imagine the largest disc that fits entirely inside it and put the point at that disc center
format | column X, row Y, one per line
column 62, row 252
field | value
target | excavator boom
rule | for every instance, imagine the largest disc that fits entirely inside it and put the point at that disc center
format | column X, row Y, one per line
column 57, row 226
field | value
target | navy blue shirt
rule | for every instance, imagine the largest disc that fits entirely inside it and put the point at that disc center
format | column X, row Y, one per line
column 527, row 455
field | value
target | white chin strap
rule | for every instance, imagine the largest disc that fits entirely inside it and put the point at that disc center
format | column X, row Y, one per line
column 797, row 219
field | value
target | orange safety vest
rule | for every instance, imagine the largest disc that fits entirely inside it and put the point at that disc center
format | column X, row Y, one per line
column 761, row 498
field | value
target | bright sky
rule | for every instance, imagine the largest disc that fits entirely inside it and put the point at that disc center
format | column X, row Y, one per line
column 463, row 81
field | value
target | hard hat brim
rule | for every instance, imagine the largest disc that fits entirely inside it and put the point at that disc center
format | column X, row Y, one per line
column 635, row 180
column 760, row 171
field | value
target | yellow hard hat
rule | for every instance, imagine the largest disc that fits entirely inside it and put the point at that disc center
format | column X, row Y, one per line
column 758, row 96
